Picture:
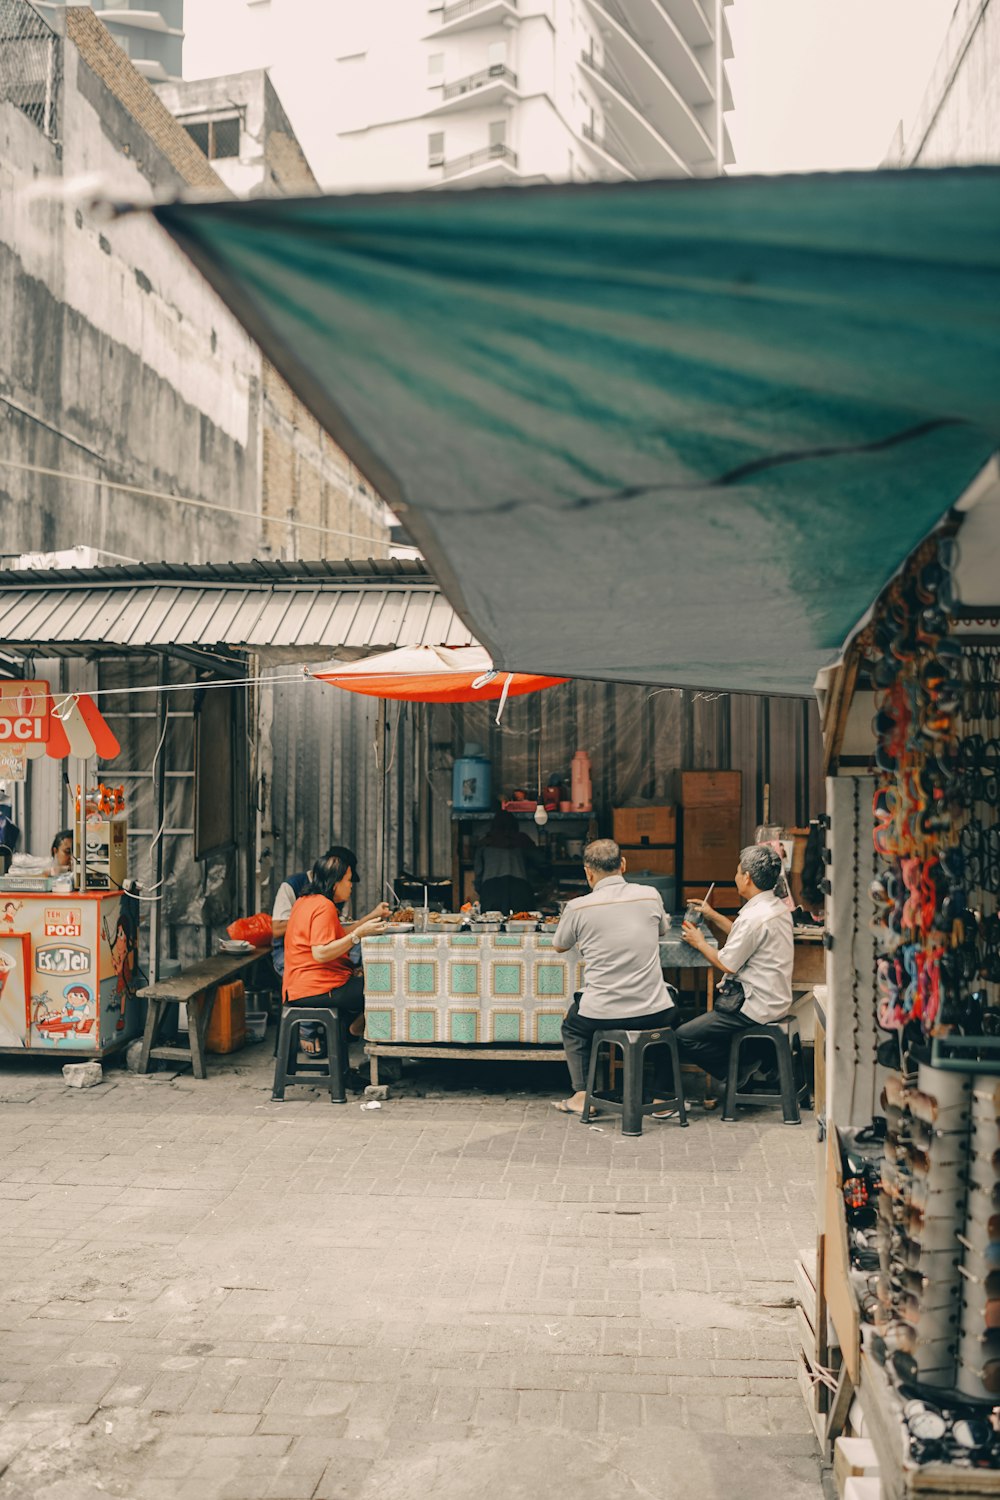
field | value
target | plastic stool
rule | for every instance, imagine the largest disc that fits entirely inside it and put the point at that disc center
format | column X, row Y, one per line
column 633, row 1046
column 784, row 1038
column 287, row 1066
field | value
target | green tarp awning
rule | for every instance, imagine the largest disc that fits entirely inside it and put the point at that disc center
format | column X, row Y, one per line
column 661, row 432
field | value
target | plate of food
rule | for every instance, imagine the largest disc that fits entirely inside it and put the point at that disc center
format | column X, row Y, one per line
column 235, row 945
column 400, row 927
column 523, row 921
column 446, row 918
column 402, row 917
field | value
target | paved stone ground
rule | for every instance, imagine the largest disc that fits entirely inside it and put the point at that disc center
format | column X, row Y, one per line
column 208, row 1296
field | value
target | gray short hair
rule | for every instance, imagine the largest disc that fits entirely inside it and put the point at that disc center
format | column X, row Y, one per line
column 763, row 865
column 603, row 855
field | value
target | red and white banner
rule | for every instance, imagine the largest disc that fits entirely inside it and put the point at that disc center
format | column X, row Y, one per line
column 24, row 713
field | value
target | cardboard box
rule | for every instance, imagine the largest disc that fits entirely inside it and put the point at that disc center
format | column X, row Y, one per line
column 107, row 854
column 711, row 788
column 656, row 861
column 711, row 842
column 853, row 1458
column 725, row 898
column 645, row 825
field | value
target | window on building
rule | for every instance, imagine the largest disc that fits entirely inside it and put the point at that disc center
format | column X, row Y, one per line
column 435, row 65
column 498, row 132
column 435, row 148
column 496, row 54
column 217, row 138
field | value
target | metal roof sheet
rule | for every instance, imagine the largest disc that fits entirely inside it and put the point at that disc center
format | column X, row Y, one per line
column 283, row 611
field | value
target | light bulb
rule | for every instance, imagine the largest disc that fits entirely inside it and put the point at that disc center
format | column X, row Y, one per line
column 541, row 816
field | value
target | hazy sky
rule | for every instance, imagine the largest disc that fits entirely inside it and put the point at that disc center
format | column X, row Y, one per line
column 823, row 83
column 816, row 83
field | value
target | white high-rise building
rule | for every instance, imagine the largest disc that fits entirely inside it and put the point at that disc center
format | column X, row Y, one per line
column 419, row 93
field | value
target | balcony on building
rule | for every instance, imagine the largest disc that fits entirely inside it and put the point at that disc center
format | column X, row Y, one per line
column 611, row 157
column 137, row 20
column 650, row 27
column 492, row 164
column 468, row 15
column 675, row 105
column 642, row 123
column 495, row 85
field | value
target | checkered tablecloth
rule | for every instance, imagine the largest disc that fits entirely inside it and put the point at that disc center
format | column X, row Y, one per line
column 466, row 987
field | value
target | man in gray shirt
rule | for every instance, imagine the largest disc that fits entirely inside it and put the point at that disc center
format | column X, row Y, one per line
column 616, row 929
column 758, row 952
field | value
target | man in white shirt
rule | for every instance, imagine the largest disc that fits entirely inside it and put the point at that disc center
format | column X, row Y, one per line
column 616, row 929
column 758, row 953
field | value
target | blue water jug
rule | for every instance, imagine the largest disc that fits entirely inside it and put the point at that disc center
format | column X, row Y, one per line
column 471, row 781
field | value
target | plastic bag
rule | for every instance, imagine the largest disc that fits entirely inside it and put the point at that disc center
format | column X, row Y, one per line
column 256, row 929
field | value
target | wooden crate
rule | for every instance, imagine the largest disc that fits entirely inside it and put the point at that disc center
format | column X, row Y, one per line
column 711, row 842
column 645, row 825
column 656, row 861
column 711, row 788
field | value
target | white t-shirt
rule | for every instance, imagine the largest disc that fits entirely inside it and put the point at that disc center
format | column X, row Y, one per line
column 616, row 929
column 759, row 951
column 283, row 902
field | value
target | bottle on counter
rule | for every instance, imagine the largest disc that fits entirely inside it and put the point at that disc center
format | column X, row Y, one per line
column 581, row 785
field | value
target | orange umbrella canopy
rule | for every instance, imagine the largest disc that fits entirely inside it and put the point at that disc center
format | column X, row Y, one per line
column 432, row 674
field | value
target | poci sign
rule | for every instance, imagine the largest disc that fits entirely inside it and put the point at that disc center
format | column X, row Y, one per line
column 24, row 713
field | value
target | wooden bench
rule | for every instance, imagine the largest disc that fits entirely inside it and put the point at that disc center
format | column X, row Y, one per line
column 195, row 988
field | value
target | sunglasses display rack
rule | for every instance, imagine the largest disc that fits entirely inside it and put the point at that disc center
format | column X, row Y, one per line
column 922, row 1214
column 936, row 824
column 979, row 1318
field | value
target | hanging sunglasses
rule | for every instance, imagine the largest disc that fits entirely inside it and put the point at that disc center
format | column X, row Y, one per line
column 946, row 1113
column 974, row 1380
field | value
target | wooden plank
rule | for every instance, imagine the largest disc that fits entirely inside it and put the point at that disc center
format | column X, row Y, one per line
column 837, row 1417
column 836, row 726
column 807, row 1334
column 202, row 976
column 172, row 1054
column 837, row 1288
column 809, row 1397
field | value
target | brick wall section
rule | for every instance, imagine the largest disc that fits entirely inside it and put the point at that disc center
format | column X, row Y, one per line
column 104, row 57
column 304, row 474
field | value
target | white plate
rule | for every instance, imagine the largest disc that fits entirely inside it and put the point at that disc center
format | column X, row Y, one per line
column 234, row 945
column 399, row 927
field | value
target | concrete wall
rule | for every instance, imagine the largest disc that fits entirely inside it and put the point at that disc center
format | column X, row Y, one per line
column 270, row 159
column 959, row 120
column 120, row 364
column 116, row 359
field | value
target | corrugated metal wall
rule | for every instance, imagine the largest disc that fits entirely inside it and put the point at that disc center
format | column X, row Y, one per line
column 336, row 755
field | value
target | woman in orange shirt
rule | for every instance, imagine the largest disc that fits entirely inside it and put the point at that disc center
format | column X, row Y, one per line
column 318, row 970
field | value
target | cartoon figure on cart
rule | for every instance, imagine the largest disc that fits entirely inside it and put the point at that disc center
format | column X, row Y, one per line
column 75, row 1018
column 123, row 944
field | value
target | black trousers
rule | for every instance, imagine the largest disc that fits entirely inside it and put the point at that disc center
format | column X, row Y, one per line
column 349, row 1000
column 706, row 1039
column 578, row 1034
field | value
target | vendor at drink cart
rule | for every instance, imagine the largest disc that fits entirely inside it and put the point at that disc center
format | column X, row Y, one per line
column 318, row 969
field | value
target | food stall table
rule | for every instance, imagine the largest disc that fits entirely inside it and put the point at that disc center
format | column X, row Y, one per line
column 495, row 995
column 68, row 962
column 196, row 988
